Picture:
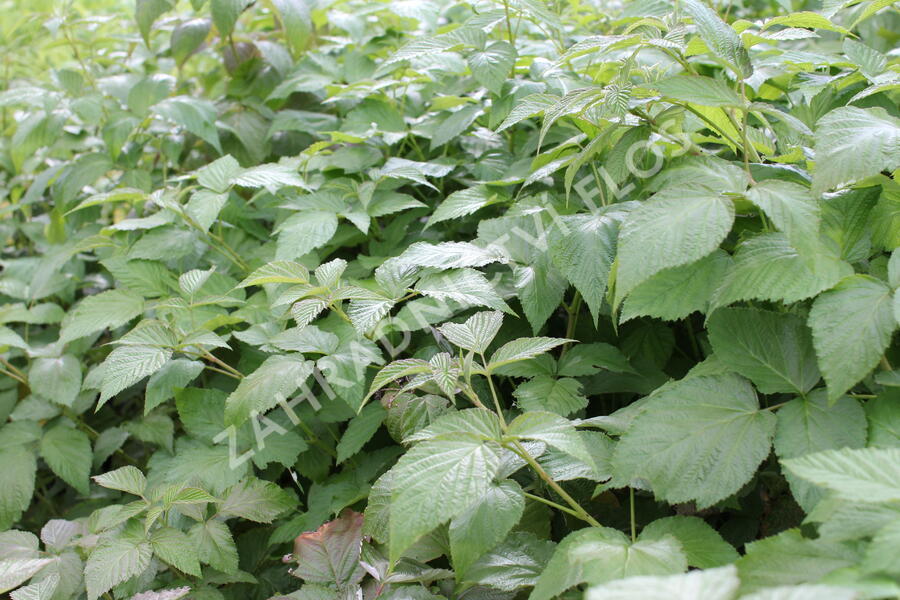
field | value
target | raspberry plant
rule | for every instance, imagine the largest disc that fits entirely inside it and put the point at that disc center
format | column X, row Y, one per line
column 494, row 300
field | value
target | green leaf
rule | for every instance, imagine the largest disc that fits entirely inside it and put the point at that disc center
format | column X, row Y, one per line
column 466, row 286
column 773, row 350
column 17, row 571
column 492, row 66
column 306, row 311
column 303, row 232
column 16, row 483
column 191, row 282
column 529, row 106
column 8, row 337
column 881, row 552
column 225, row 14
column 297, row 22
column 462, row 203
column 476, row 334
column 720, row 37
column 852, row 144
column 698, row 90
column 450, row 255
column 590, row 359
column 195, row 115
column 366, row 312
column 471, row 422
column 792, row 209
column 56, row 379
column 114, row 561
column 455, row 124
column 360, row 430
column 584, row 250
column 215, row 546
column 163, row 384
column 883, row 414
column 256, row 500
column 218, row 174
column 67, row 452
column 711, row 584
column 436, row 481
column 485, row 524
column 279, row 271
column 276, row 378
column 673, row 228
column 804, row 19
column 170, row 594
column 515, row 563
column 561, row 396
column 126, row 365
column 702, row 544
column 554, row 431
column 540, row 288
column 187, row 37
column 146, row 12
column 42, row 590
column 396, row 370
column 106, row 310
column 126, row 479
column 852, row 325
column 271, row 176
column 857, row 475
column 675, row 293
column 600, row 554
column 767, row 267
column 813, row 425
column 176, row 548
column 789, row 559
column 522, row 349
column 700, row 439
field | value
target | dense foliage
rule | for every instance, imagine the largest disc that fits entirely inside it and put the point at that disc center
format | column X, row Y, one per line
column 327, row 299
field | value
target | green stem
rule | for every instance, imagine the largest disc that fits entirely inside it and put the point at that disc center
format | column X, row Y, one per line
column 18, row 374
column 574, row 310
column 695, row 347
column 577, row 509
column 553, row 504
column 713, row 126
column 631, row 511
column 496, row 399
column 209, row 356
column 471, row 395
column 14, row 376
column 509, row 29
